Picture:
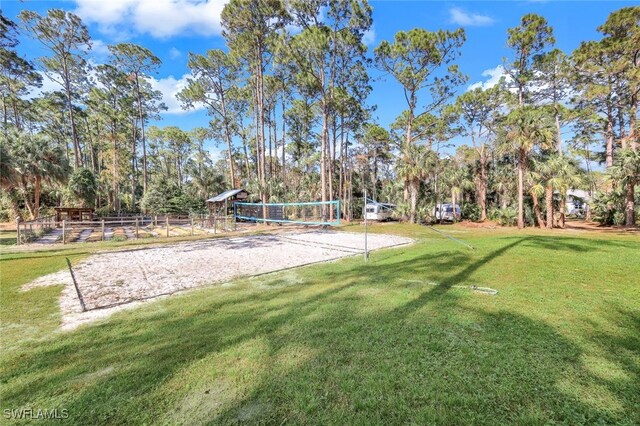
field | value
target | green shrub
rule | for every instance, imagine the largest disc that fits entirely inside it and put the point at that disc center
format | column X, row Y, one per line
column 105, row 212
column 505, row 217
column 472, row 212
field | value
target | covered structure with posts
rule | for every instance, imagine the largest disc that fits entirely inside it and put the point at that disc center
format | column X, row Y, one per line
column 221, row 202
column 74, row 214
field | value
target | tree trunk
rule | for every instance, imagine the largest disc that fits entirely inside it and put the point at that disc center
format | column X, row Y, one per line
column 483, row 188
column 548, row 197
column 630, row 219
column 558, row 134
column 536, row 210
column 91, row 148
column 5, row 119
column 329, row 174
column 413, row 190
column 609, row 147
column 323, row 156
column 227, row 135
column 74, row 133
column 633, row 137
column 114, row 181
column 246, row 157
column 521, row 192
column 16, row 115
column 144, row 141
column 26, row 197
column 271, row 141
column 453, row 204
column 408, row 143
column 563, row 203
column 133, row 165
column 341, row 177
column 36, row 196
column 284, row 129
column 260, row 112
column 74, row 136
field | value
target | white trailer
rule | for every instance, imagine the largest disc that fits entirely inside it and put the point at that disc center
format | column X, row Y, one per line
column 447, row 212
column 379, row 211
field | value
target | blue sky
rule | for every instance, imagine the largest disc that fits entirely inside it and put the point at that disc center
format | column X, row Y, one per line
column 172, row 28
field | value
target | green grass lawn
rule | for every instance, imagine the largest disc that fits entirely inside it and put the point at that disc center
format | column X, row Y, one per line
column 393, row 341
column 7, row 238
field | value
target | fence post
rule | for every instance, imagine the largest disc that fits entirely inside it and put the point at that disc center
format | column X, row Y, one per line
column 155, row 220
column 18, row 231
column 102, row 228
column 136, row 228
column 215, row 224
column 167, row 221
column 64, row 231
column 192, row 226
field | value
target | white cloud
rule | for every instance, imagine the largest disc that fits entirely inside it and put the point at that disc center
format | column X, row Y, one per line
column 174, row 53
column 466, row 19
column 99, row 47
column 99, row 50
column 369, row 36
column 48, row 85
column 159, row 18
column 51, row 85
column 170, row 86
column 494, row 74
column 216, row 154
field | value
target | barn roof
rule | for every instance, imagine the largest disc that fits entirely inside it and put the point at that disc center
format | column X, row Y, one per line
column 226, row 194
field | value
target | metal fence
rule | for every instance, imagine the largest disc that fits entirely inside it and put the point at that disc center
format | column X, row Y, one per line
column 48, row 230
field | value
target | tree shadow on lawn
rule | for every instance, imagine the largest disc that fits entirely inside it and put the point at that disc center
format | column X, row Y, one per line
column 576, row 244
column 357, row 358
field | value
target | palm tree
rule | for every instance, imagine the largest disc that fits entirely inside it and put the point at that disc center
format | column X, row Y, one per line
column 525, row 129
column 38, row 161
column 626, row 171
column 457, row 178
column 418, row 159
column 536, row 180
column 568, row 174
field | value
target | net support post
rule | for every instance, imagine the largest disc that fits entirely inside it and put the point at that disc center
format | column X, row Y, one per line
column 366, row 230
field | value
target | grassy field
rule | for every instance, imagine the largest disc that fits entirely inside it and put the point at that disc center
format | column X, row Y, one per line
column 7, row 237
column 388, row 342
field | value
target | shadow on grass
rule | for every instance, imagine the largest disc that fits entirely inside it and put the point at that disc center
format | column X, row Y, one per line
column 328, row 353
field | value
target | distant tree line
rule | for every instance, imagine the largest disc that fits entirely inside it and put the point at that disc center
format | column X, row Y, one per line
column 287, row 101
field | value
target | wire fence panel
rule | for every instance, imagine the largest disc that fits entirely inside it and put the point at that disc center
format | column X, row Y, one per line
column 309, row 213
column 47, row 230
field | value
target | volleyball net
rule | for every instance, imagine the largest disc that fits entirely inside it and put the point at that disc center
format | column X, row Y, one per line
column 310, row 213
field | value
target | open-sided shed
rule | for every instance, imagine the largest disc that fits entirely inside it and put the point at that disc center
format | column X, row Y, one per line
column 227, row 198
